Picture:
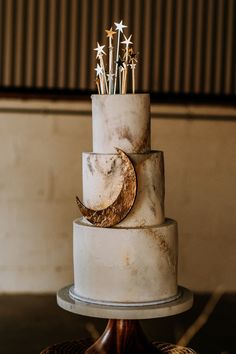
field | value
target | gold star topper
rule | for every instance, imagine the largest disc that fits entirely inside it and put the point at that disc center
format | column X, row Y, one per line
column 132, row 55
column 112, row 74
column 110, row 32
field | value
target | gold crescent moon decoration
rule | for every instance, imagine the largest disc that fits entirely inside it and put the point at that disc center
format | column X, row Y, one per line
column 119, row 209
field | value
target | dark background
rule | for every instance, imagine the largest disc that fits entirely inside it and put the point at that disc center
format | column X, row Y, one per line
column 186, row 48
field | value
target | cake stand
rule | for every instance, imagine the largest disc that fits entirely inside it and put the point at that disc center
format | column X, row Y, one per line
column 123, row 334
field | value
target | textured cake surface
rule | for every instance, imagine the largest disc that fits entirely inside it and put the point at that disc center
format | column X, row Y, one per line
column 104, row 173
column 121, row 121
column 135, row 261
column 125, row 265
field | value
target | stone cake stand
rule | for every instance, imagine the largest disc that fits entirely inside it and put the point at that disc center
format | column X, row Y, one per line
column 123, row 334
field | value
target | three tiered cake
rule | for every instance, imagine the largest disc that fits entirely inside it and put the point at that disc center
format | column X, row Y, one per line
column 135, row 261
column 125, row 250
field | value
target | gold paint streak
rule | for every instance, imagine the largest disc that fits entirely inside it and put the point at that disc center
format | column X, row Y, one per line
column 29, row 47
column 156, row 53
column 62, row 45
column 179, row 19
column 8, row 41
column 18, row 47
column 219, row 46
column 51, row 40
column 146, row 46
column 84, row 45
column 39, row 53
column 208, row 48
column 167, row 48
column 197, row 69
column 73, row 36
column 229, row 47
column 188, row 47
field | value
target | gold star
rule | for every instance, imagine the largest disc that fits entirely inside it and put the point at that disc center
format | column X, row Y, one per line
column 132, row 55
column 110, row 32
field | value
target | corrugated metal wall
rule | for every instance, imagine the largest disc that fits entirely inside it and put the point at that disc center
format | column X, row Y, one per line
column 186, row 46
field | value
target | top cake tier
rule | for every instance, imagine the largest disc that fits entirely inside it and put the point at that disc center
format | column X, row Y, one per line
column 121, row 121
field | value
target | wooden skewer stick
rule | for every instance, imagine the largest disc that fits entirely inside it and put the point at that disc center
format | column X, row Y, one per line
column 133, row 60
column 98, row 85
column 120, row 80
column 124, row 79
column 120, row 65
column 119, row 28
column 127, row 42
column 103, row 72
column 132, row 66
column 101, row 84
column 110, row 75
column 99, row 71
column 133, row 81
column 117, row 56
column 110, row 66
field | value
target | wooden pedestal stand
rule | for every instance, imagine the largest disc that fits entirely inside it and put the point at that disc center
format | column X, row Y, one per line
column 123, row 337
column 123, row 334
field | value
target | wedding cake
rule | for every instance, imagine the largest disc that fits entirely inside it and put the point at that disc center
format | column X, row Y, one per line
column 124, row 248
column 135, row 261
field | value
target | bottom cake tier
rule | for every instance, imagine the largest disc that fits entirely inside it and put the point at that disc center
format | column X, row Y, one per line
column 125, row 265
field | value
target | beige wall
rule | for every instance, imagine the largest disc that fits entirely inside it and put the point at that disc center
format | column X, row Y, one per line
column 40, row 174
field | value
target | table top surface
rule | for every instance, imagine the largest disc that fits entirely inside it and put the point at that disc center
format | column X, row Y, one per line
column 125, row 311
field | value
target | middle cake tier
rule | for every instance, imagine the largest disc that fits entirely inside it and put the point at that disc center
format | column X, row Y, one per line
column 102, row 182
